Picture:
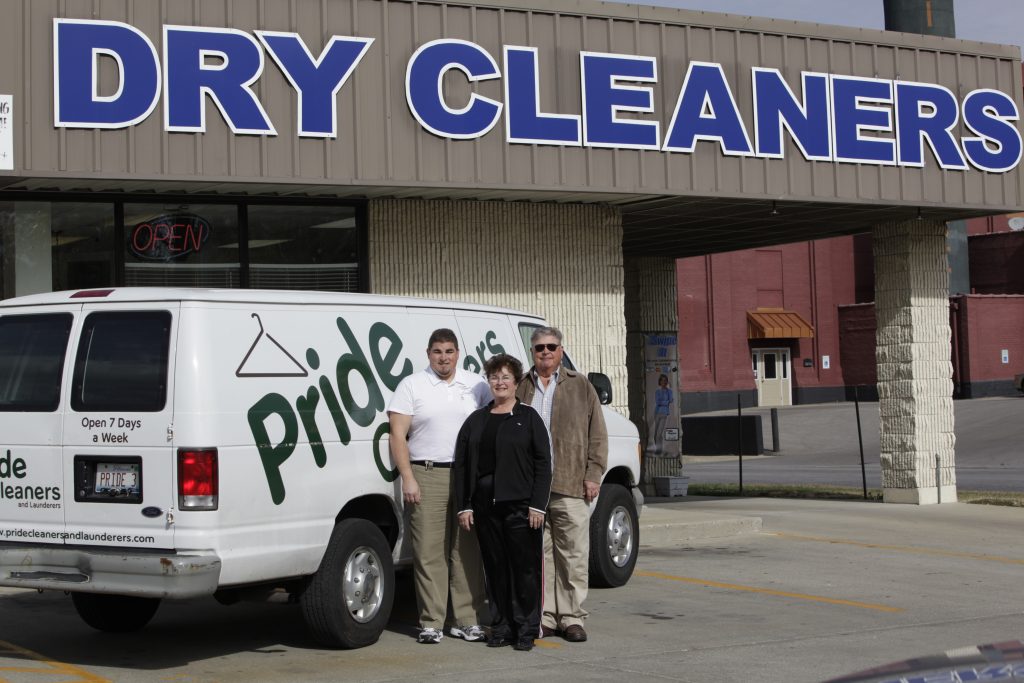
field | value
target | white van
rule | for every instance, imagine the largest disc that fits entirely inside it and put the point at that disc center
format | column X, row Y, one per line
column 171, row 443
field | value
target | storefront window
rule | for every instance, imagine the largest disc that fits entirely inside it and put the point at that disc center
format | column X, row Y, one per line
column 52, row 246
column 303, row 247
column 181, row 245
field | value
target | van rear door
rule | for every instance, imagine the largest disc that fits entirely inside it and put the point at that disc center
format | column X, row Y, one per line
column 118, row 455
column 33, row 363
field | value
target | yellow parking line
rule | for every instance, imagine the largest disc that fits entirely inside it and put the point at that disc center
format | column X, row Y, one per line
column 901, row 548
column 49, row 668
column 768, row 591
column 547, row 644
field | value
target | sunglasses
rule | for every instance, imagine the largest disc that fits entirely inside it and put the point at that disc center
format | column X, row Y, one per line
column 537, row 348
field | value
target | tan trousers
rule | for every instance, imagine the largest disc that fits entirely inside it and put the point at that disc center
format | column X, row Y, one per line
column 446, row 559
column 566, row 562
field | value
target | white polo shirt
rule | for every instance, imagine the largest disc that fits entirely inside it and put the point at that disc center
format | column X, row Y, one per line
column 438, row 410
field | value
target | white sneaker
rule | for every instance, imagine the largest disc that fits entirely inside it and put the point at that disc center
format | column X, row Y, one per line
column 430, row 636
column 468, row 633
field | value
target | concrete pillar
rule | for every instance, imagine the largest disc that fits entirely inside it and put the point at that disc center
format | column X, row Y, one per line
column 561, row 261
column 915, row 387
column 650, row 305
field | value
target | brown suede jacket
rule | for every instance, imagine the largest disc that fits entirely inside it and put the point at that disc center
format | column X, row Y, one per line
column 579, row 438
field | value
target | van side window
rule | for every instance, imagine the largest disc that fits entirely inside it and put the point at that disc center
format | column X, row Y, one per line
column 122, row 362
column 32, row 350
column 526, row 331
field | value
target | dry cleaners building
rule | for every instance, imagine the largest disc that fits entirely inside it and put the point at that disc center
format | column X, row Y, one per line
column 553, row 157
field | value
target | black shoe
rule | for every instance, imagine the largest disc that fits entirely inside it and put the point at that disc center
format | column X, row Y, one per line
column 575, row 634
column 524, row 644
column 499, row 641
column 546, row 632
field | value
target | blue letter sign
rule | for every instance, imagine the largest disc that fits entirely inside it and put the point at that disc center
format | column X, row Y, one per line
column 316, row 80
column 424, row 79
column 77, row 101
column 836, row 118
column 219, row 63
column 604, row 97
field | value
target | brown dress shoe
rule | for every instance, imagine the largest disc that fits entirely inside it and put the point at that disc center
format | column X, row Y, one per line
column 575, row 634
column 546, row 632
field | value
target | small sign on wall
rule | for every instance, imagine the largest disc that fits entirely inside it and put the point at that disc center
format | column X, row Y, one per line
column 826, row 362
column 1005, row 356
column 6, row 132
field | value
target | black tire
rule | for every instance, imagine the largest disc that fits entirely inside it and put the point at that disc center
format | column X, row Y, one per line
column 614, row 537
column 114, row 613
column 347, row 603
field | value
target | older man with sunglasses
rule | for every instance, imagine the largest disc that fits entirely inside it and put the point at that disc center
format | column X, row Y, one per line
column 572, row 414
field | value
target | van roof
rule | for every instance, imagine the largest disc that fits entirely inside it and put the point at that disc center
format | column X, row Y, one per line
column 272, row 296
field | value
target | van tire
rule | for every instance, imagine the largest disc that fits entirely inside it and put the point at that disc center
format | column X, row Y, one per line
column 114, row 613
column 614, row 537
column 339, row 606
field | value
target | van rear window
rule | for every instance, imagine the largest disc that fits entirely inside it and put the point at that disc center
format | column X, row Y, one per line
column 122, row 362
column 32, row 350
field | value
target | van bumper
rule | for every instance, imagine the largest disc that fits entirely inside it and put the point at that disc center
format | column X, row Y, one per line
column 96, row 570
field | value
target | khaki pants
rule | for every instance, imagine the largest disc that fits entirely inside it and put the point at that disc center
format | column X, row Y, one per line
column 566, row 562
column 446, row 559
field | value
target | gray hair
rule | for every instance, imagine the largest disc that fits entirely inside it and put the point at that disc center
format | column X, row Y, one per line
column 546, row 332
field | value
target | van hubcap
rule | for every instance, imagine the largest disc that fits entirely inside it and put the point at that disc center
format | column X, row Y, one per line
column 362, row 585
column 620, row 536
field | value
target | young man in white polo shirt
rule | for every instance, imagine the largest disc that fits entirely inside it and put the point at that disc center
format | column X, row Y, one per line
column 425, row 416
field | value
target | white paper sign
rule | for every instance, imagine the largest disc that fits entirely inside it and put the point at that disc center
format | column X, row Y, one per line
column 826, row 362
column 6, row 132
column 1006, row 356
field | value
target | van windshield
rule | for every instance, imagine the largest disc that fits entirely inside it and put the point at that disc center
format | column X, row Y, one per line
column 122, row 362
column 32, row 350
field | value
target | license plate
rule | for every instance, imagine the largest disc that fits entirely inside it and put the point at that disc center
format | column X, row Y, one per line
column 119, row 477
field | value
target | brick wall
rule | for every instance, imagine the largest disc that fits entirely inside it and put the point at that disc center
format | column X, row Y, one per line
column 561, row 261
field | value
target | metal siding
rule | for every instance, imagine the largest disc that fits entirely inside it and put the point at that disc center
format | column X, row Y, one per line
column 380, row 144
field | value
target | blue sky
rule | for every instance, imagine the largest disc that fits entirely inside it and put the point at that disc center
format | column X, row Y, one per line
column 993, row 21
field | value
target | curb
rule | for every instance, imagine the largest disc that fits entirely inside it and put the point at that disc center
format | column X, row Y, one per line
column 666, row 527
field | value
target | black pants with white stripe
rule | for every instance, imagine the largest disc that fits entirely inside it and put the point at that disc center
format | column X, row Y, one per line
column 513, row 556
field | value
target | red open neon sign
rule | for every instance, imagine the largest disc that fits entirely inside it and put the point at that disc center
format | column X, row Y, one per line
column 169, row 237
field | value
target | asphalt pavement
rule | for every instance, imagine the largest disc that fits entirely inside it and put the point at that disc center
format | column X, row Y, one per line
column 746, row 589
column 819, row 445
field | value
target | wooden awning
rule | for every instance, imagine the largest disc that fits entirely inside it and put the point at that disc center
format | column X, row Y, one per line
column 777, row 323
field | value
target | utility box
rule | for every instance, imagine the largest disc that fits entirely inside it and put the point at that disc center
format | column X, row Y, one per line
column 670, row 487
column 716, row 435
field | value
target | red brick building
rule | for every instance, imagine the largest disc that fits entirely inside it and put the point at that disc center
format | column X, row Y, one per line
column 828, row 284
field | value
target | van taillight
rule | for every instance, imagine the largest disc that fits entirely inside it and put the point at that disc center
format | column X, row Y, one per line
column 197, row 479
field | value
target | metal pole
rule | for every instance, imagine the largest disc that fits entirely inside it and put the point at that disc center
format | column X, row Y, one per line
column 739, row 436
column 938, row 478
column 860, row 440
column 775, row 430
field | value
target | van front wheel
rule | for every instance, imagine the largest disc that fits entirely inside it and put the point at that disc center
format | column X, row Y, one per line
column 347, row 603
column 114, row 613
column 614, row 537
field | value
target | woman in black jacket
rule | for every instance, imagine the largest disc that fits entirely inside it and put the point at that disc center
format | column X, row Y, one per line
column 502, row 478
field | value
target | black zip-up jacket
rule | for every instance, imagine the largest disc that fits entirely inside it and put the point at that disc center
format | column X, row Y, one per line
column 522, row 464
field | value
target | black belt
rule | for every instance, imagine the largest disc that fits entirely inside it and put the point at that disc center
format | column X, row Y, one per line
column 431, row 464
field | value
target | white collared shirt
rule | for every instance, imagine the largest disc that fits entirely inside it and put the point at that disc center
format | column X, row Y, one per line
column 438, row 409
column 544, row 401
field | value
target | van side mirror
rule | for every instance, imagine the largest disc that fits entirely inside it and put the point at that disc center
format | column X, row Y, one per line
column 603, row 385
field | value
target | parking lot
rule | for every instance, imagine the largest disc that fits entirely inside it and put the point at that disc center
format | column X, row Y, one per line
column 823, row 589
column 818, row 445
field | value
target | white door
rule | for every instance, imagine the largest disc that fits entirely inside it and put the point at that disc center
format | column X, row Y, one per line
column 118, row 457
column 773, row 377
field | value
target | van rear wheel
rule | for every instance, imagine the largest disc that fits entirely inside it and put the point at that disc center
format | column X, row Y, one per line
column 347, row 603
column 114, row 613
